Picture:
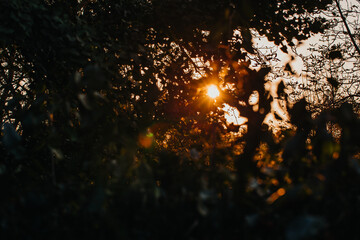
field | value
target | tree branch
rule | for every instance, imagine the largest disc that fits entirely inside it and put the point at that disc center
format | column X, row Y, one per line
column 347, row 27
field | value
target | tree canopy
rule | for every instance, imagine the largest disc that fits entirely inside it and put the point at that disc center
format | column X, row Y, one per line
column 108, row 131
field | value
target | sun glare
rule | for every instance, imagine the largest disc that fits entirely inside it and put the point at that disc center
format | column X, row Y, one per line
column 213, row 91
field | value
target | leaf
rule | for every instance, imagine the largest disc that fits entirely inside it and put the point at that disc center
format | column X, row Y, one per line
column 335, row 55
column 277, row 116
column 12, row 141
column 233, row 128
column 84, row 101
column 299, row 114
column 247, row 40
column 284, row 49
column 11, row 138
column 289, row 68
column 280, row 89
column 57, row 153
column 333, row 82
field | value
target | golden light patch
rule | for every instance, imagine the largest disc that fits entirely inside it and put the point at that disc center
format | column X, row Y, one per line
column 146, row 140
column 213, row 91
column 281, row 191
column 273, row 197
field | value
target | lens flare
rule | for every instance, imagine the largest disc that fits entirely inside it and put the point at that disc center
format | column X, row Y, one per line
column 213, row 91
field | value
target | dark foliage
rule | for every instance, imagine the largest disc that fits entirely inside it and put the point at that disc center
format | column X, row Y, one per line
column 107, row 132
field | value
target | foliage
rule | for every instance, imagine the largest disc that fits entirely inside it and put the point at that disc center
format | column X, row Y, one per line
column 331, row 67
column 107, row 131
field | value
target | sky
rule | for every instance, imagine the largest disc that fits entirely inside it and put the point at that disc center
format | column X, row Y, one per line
column 233, row 116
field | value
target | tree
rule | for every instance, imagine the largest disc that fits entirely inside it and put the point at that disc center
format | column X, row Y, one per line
column 92, row 92
column 331, row 66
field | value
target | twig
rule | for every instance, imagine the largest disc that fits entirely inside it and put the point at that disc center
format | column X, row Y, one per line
column 347, row 27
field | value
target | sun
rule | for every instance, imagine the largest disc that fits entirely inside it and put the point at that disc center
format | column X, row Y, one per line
column 213, row 91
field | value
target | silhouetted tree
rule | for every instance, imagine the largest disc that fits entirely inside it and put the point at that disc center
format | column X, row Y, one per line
column 108, row 132
column 330, row 75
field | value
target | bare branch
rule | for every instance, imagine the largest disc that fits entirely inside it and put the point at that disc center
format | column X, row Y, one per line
column 347, row 27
